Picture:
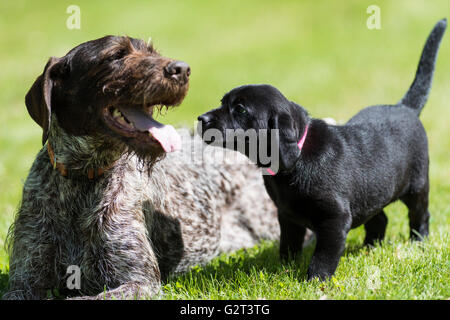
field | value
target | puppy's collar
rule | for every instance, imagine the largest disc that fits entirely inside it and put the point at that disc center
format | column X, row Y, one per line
column 302, row 140
column 92, row 173
column 299, row 144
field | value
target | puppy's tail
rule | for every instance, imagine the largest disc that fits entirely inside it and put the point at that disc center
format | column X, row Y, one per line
column 417, row 95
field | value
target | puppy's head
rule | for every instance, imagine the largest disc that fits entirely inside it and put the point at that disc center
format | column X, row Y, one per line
column 260, row 109
column 109, row 88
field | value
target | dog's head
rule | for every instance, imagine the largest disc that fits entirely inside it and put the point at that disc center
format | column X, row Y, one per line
column 256, row 108
column 110, row 87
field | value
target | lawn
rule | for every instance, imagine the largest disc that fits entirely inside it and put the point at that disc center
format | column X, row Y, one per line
column 319, row 54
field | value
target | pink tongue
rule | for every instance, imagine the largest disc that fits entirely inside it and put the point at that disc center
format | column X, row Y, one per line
column 166, row 135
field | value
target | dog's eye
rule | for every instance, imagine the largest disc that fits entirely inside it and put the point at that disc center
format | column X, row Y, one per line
column 240, row 109
column 117, row 56
column 120, row 54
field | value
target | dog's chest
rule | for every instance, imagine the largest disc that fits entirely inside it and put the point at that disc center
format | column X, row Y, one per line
column 75, row 203
column 73, row 209
column 291, row 202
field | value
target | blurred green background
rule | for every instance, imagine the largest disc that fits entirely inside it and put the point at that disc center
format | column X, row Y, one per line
column 318, row 53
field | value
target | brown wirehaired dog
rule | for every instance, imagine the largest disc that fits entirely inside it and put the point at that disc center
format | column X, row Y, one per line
column 100, row 196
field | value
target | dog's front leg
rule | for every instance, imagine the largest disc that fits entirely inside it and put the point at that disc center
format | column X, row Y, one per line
column 119, row 258
column 292, row 236
column 127, row 291
column 331, row 236
column 137, row 276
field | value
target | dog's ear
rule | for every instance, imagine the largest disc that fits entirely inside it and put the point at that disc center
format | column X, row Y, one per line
column 288, row 139
column 38, row 99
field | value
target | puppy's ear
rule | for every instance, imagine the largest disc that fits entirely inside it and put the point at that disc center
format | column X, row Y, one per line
column 288, row 139
column 38, row 99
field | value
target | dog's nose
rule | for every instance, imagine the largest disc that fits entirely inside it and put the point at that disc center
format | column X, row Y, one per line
column 205, row 118
column 178, row 70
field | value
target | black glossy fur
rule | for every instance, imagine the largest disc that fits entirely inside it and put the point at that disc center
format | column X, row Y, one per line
column 345, row 175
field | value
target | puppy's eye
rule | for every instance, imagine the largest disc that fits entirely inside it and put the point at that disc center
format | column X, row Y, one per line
column 240, row 109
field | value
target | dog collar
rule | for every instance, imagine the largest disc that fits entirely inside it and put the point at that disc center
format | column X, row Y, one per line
column 302, row 140
column 92, row 173
column 299, row 144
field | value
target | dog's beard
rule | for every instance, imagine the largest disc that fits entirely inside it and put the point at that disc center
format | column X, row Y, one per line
column 145, row 159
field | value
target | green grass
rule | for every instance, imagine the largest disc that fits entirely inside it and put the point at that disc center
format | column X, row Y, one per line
column 396, row 269
column 319, row 54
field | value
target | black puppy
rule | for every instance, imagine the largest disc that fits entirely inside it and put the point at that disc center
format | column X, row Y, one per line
column 335, row 178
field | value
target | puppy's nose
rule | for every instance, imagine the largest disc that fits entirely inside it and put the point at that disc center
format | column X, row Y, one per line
column 205, row 118
column 178, row 70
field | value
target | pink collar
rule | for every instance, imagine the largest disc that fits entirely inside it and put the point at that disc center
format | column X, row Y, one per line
column 299, row 144
column 302, row 140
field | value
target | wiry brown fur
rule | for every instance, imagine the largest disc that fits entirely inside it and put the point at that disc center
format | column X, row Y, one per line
column 135, row 67
column 143, row 218
column 129, row 228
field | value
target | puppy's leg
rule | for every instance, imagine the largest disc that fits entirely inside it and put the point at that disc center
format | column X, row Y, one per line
column 291, row 238
column 331, row 236
column 419, row 215
column 375, row 228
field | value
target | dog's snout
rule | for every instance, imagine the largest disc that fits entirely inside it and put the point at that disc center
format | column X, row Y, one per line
column 178, row 70
column 205, row 118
